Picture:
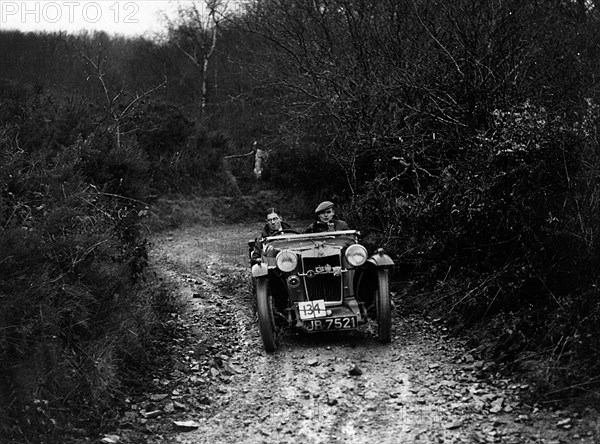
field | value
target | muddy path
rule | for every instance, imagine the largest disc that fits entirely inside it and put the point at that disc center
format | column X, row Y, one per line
column 424, row 387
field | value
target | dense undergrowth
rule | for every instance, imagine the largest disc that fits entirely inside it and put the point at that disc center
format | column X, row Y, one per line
column 505, row 246
column 74, row 314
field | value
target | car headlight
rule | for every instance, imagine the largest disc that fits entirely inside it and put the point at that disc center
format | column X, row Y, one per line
column 286, row 261
column 356, row 255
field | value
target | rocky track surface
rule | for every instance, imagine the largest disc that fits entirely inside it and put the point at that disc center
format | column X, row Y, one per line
column 424, row 387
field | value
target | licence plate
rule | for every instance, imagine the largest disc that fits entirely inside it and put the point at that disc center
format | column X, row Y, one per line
column 343, row 323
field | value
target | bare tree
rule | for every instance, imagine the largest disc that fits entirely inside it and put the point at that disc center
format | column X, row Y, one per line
column 119, row 104
column 195, row 32
column 390, row 78
column 340, row 70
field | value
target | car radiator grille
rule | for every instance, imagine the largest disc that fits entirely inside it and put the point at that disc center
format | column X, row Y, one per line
column 323, row 286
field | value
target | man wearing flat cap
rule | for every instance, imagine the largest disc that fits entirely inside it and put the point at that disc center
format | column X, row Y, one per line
column 326, row 219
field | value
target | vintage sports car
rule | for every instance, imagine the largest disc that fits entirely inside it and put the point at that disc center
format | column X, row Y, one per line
column 320, row 282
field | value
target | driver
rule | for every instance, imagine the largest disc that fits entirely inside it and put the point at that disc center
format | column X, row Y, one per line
column 274, row 226
column 326, row 219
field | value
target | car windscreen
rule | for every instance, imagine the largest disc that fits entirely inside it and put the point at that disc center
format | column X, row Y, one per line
column 310, row 242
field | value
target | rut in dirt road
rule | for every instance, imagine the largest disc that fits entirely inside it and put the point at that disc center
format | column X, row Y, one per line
column 333, row 387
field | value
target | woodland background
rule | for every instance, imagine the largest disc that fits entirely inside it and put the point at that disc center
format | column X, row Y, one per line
column 461, row 136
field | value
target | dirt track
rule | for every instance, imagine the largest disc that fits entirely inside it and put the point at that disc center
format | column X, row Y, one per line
column 423, row 387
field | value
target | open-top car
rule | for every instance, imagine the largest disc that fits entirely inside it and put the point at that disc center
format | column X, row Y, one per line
column 320, row 282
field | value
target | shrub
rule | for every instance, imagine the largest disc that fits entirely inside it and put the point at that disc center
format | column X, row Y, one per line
column 507, row 230
column 72, row 251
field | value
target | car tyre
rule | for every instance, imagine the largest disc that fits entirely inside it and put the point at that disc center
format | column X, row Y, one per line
column 383, row 307
column 266, row 320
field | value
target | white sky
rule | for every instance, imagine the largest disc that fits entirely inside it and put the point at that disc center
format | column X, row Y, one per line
column 127, row 17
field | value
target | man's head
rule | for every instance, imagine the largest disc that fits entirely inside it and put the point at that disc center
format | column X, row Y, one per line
column 274, row 219
column 325, row 211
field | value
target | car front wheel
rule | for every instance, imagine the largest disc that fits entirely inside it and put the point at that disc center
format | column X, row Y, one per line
column 266, row 320
column 383, row 306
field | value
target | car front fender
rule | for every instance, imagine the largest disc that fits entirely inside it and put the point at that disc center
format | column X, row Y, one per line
column 381, row 260
column 259, row 270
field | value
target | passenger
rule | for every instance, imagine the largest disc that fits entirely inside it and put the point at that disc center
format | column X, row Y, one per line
column 274, row 226
column 326, row 219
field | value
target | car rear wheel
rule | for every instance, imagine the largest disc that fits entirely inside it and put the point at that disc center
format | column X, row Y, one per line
column 383, row 307
column 266, row 320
